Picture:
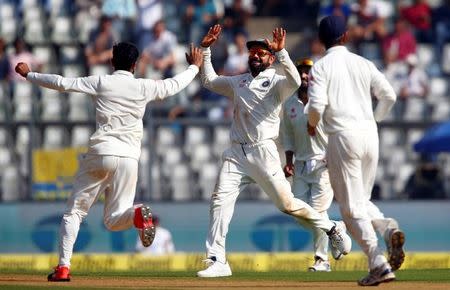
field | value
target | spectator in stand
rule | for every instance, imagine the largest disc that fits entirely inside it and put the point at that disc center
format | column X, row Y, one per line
column 198, row 16
column 237, row 62
column 441, row 24
column 370, row 21
column 162, row 244
column 419, row 16
column 5, row 66
column 414, row 84
column 123, row 14
column 22, row 54
column 160, row 51
column 399, row 44
column 427, row 181
column 99, row 47
column 336, row 7
column 235, row 20
column 149, row 13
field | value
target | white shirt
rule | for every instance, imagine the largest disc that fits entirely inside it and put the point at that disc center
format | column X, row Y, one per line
column 340, row 88
column 294, row 133
column 162, row 244
column 120, row 102
column 256, row 101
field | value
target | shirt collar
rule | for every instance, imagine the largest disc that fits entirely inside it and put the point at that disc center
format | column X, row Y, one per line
column 336, row 48
column 123, row 72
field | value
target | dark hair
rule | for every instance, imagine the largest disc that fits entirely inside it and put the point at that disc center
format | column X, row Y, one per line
column 125, row 54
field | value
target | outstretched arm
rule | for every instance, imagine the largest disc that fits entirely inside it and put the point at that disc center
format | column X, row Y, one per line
column 218, row 84
column 292, row 81
column 86, row 85
column 163, row 88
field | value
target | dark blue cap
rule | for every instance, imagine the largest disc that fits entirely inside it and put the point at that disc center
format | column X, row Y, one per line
column 331, row 28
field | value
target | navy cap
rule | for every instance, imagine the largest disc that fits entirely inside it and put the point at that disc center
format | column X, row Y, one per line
column 260, row 42
column 331, row 28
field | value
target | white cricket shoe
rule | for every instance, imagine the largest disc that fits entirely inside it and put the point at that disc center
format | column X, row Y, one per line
column 395, row 239
column 381, row 274
column 214, row 269
column 320, row 266
column 340, row 241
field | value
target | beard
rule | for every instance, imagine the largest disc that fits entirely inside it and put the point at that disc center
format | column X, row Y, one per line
column 257, row 66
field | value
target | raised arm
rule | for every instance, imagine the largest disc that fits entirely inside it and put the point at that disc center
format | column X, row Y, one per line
column 291, row 81
column 383, row 91
column 86, row 85
column 163, row 88
column 210, row 80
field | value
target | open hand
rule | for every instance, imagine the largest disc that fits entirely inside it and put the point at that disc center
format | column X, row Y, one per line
column 22, row 69
column 195, row 56
column 211, row 36
column 279, row 39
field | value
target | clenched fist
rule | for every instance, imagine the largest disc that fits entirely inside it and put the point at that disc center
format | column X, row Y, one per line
column 22, row 69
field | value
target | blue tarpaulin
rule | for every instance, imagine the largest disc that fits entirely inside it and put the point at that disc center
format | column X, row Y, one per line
column 436, row 139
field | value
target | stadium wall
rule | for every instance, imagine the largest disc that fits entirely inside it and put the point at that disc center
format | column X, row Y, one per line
column 256, row 227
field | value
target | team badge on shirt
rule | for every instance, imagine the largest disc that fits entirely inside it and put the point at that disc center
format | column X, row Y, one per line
column 242, row 83
column 265, row 84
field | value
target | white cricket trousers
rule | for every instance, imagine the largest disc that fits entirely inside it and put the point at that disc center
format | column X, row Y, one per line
column 117, row 177
column 245, row 164
column 314, row 188
column 352, row 164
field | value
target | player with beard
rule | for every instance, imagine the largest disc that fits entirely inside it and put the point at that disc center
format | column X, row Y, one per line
column 253, row 156
column 311, row 182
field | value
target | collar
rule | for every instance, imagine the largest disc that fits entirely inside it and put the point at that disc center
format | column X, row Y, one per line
column 123, row 72
column 336, row 48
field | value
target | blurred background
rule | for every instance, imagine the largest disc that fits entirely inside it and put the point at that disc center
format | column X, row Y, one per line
column 43, row 131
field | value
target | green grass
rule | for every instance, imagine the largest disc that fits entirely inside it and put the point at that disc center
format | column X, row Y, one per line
column 431, row 275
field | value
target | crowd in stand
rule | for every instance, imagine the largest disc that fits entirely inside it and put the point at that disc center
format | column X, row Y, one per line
column 390, row 33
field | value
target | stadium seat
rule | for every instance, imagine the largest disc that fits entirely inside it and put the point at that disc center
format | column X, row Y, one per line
column 425, row 54
column 52, row 103
column 99, row 70
column 7, row 11
column 54, row 137
column 441, row 110
column 45, row 54
column 23, row 101
column 35, row 32
column 200, row 154
column 180, row 180
column 415, row 108
column 403, row 172
column 81, row 107
column 8, row 29
column 11, row 184
column 80, row 136
column 72, row 71
column 165, row 138
column 5, row 137
column 438, row 87
column 446, row 59
column 389, row 137
column 194, row 135
column 70, row 54
column 221, row 140
column 63, row 31
column 5, row 157
column 207, row 179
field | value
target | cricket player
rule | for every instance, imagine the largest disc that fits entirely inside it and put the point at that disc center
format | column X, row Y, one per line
column 253, row 157
column 111, row 162
column 340, row 91
column 311, row 182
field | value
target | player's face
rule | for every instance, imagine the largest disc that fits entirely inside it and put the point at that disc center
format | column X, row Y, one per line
column 259, row 58
column 304, row 71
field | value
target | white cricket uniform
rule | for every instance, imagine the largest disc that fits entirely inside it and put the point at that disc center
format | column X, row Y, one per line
column 111, row 162
column 161, row 245
column 340, row 91
column 311, row 182
column 253, row 155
